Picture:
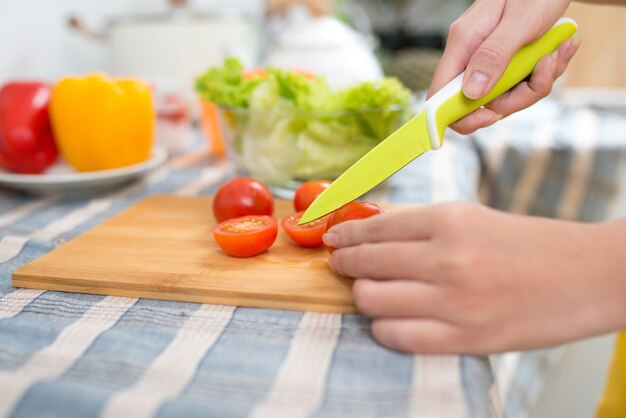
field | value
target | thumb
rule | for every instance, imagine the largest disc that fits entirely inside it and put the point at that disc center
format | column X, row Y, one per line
column 491, row 58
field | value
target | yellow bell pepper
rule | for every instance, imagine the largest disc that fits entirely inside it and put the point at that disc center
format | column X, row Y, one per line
column 100, row 123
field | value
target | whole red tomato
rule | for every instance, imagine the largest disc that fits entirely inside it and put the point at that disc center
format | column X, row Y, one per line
column 307, row 192
column 352, row 211
column 242, row 197
column 246, row 236
column 308, row 235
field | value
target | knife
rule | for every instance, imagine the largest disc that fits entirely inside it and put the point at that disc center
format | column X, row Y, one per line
column 425, row 131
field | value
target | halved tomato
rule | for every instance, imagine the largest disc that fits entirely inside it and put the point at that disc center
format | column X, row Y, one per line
column 246, row 236
column 307, row 192
column 352, row 211
column 308, row 235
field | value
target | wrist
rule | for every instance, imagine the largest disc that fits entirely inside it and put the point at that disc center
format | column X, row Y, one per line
column 611, row 237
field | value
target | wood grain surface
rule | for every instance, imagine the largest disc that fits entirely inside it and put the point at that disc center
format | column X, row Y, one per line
column 601, row 59
column 163, row 248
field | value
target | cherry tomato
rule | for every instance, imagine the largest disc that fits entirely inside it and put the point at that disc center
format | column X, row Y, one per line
column 307, row 192
column 246, row 236
column 308, row 235
column 242, row 197
column 352, row 211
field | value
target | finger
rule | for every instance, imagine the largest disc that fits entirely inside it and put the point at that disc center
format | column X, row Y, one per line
column 565, row 53
column 491, row 58
column 519, row 97
column 528, row 92
column 540, row 84
column 412, row 224
column 418, row 335
column 480, row 118
column 465, row 35
column 399, row 299
column 382, row 261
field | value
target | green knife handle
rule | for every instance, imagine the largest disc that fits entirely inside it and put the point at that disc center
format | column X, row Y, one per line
column 450, row 104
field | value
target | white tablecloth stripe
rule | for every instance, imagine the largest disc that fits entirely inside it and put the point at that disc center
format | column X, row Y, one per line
column 159, row 384
column 52, row 361
column 301, row 381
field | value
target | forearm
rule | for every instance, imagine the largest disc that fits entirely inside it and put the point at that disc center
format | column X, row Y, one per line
column 612, row 240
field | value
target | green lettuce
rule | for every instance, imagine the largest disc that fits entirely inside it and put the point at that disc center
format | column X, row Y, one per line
column 287, row 126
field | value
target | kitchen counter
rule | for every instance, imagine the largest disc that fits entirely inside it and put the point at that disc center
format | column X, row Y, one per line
column 74, row 355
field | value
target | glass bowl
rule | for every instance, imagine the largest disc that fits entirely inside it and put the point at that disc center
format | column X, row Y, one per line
column 285, row 148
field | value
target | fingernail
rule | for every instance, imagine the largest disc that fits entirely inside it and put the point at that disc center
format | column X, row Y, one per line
column 476, row 85
column 571, row 50
column 332, row 263
column 331, row 239
column 494, row 119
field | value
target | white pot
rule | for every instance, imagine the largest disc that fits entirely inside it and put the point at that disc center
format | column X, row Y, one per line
column 180, row 48
column 177, row 46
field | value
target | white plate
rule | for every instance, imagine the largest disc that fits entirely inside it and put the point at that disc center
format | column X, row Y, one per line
column 61, row 178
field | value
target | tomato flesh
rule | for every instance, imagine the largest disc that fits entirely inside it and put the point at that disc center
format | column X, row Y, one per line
column 353, row 211
column 246, row 236
column 308, row 235
column 242, row 197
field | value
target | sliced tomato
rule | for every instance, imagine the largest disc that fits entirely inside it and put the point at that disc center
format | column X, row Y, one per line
column 352, row 211
column 307, row 192
column 246, row 236
column 308, row 235
column 242, row 196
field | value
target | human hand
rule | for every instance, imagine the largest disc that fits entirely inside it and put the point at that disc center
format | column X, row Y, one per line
column 482, row 42
column 462, row 278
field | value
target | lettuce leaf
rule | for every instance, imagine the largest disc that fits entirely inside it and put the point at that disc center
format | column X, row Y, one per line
column 288, row 126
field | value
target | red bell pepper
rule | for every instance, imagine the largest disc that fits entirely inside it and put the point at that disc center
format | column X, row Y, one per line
column 26, row 140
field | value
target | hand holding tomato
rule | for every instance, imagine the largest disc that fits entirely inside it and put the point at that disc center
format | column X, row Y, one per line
column 462, row 278
column 350, row 212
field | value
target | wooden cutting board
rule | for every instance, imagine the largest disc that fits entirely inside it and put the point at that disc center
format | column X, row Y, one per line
column 163, row 248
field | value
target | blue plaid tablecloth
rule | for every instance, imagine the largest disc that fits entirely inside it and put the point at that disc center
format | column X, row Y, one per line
column 73, row 355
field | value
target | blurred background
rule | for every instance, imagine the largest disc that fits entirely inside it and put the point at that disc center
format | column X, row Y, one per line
column 169, row 43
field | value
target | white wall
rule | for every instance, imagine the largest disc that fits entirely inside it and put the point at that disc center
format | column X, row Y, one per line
column 35, row 41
